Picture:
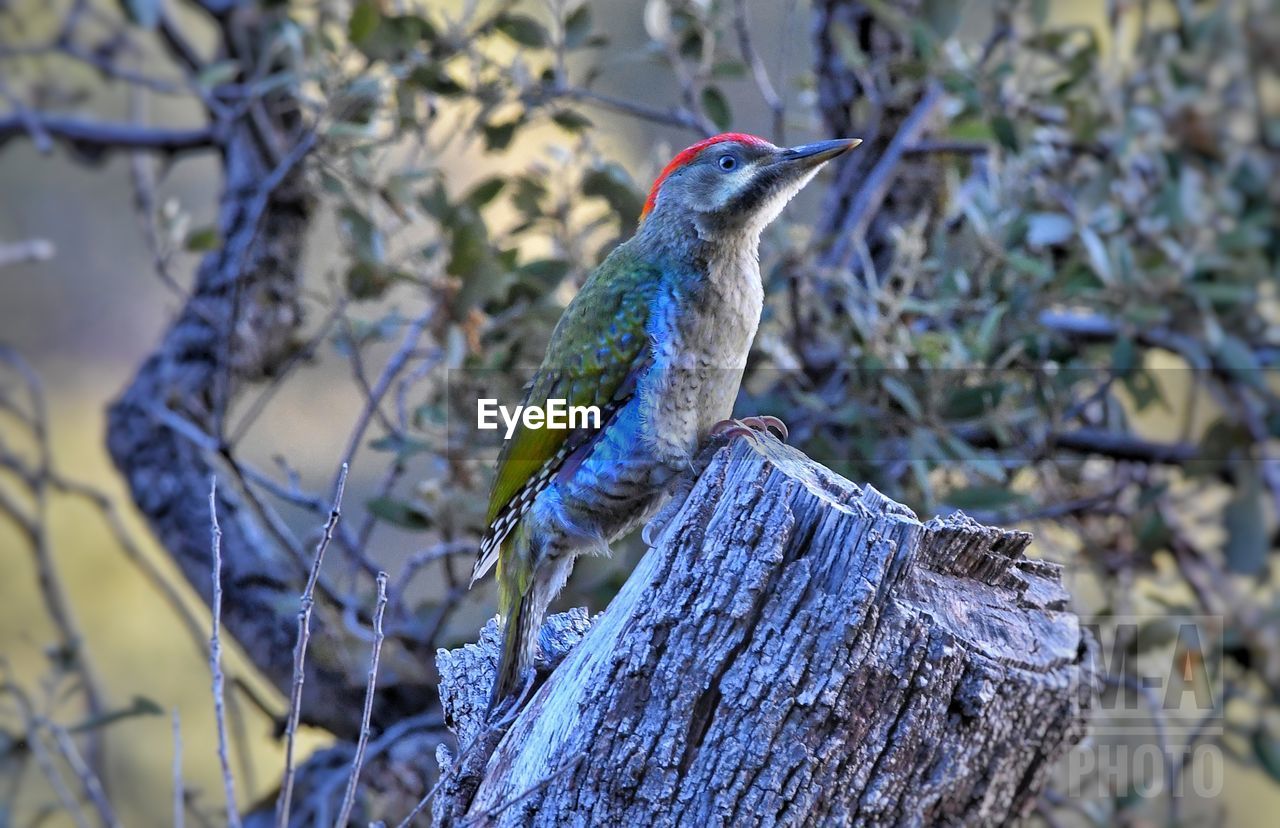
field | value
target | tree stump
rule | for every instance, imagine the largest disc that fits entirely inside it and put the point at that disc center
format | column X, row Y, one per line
column 795, row 650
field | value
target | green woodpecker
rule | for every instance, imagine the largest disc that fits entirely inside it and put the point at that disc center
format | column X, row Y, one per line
column 657, row 340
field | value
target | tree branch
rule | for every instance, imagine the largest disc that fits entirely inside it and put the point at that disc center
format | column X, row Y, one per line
column 95, row 136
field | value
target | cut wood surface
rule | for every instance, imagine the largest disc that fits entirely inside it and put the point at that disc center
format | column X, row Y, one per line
column 794, row 650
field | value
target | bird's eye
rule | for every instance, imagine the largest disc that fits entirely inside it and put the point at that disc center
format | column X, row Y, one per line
column 728, row 163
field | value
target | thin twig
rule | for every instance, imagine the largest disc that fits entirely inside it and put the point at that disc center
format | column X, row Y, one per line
column 179, row 794
column 679, row 117
column 29, row 120
column 88, row 779
column 315, row 806
column 349, row 798
column 509, row 714
column 421, row 558
column 300, row 652
column 866, row 202
column 144, row 201
column 70, row 805
column 528, row 792
column 215, row 658
column 758, row 71
column 238, row 248
column 374, row 396
column 49, row 581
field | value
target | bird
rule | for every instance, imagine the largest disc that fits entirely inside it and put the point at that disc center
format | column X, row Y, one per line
column 656, row 340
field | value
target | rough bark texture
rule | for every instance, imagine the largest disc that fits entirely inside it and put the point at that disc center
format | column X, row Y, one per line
column 795, row 650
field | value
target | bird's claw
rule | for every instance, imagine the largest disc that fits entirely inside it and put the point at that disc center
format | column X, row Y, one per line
column 746, row 426
column 649, row 534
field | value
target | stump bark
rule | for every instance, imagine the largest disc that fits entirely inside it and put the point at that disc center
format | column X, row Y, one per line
column 794, row 650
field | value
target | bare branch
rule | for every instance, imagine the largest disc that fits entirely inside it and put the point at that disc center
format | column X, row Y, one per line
column 52, row 591
column 179, row 793
column 177, row 43
column 144, row 201
column 32, row 738
column 758, row 72
column 349, row 798
column 99, row 136
column 88, row 779
column 866, row 203
column 678, row 117
column 300, row 652
column 215, row 658
column 373, row 404
column 1100, row 441
column 59, row 785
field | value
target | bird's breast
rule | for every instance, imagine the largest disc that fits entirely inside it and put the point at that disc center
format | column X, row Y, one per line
column 701, row 342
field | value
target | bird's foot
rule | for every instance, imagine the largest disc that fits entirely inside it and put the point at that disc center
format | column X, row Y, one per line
column 746, row 426
column 658, row 523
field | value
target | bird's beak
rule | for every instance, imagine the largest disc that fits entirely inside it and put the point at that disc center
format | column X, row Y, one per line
column 808, row 156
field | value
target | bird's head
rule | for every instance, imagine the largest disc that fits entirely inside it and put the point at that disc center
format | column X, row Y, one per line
column 734, row 183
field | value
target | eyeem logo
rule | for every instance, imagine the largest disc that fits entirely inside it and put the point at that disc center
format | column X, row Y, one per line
column 555, row 415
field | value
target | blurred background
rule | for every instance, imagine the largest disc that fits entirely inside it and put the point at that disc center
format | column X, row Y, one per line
column 256, row 240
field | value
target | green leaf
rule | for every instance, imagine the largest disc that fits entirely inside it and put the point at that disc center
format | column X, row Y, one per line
column 612, row 183
column 1039, row 12
column 570, row 121
column 1099, row 259
column 364, row 19
column 146, row 13
column 367, row 241
column 905, row 397
column 218, row 73
column 1144, row 389
column 989, row 330
column 1243, row 518
column 546, row 273
column 498, row 136
column 973, row 401
column 1005, row 132
column 528, row 196
column 140, row 706
column 983, row 498
column 1266, row 747
column 484, row 192
column 577, row 26
column 399, row 513
column 1123, row 356
column 1239, row 360
column 942, row 16
column 522, row 29
column 433, row 78
column 716, row 107
column 203, row 239
column 391, row 38
column 468, row 245
column 367, row 280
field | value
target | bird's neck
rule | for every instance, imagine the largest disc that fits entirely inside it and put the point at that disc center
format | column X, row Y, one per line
column 723, row 260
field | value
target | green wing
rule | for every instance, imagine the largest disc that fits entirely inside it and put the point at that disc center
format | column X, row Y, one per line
column 598, row 347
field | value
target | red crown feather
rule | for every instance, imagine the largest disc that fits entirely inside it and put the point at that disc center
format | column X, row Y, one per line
column 688, row 154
